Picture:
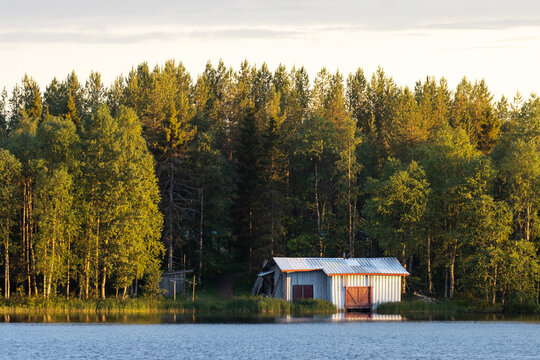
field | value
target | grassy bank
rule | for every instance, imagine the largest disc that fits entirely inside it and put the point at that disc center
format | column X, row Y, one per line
column 454, row 307
column 202, row 304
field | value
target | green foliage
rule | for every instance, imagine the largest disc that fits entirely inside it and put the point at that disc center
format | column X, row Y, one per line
column 243, row 165
column 394, row 213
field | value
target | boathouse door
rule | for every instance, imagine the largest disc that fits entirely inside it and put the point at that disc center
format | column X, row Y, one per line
column 358, row 297
column 302, row 292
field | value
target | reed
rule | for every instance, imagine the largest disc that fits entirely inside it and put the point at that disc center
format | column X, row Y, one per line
column 408, row 307
column 204, row 303
column 313, row 306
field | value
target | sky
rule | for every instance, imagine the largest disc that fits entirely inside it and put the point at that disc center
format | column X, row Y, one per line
column 496, row 40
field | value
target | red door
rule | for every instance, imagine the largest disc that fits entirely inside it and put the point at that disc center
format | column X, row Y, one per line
column 358, row 297
column 302, row 292
column 296, row 292
column 308, row 291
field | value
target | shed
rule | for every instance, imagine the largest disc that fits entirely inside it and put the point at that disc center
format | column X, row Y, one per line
column 350, row 284
column 172, row 280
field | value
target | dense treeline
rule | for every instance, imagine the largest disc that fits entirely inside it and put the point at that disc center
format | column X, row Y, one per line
column 236, row 166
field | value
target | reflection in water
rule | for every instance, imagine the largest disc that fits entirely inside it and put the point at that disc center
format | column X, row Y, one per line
column 357, row 316
column 223, row 318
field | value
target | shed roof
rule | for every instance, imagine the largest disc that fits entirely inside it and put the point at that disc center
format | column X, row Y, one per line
column 340, row 266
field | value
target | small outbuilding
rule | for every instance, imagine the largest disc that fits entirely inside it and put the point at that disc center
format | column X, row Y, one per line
column 174, row 281
column 350, row 284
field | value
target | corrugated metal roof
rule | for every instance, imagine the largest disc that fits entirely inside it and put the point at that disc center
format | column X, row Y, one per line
column 334, row 266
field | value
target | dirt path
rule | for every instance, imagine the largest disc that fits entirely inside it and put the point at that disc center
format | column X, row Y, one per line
column 225, row 287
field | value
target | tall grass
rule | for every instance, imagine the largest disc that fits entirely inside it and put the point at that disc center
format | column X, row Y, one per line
column 408, row 307
column 204, row 303
column 313, row 306
column 62, row 305
column 258, row 304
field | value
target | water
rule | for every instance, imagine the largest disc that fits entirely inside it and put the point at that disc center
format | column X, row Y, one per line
column 274, row 338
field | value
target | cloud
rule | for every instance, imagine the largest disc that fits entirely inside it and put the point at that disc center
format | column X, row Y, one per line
column 126, row 37
column 498, row 24
column 379, row 15
column 246, row 33
column 75, row 37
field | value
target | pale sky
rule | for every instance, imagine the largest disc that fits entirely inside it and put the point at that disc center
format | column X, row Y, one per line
column 497, row 40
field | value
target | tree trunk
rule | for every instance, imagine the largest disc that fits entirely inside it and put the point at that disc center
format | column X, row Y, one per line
column 201, row 235
column 528, row 224
column 86, row 276
column 97, row 259
column 103, row 282
column 404, row 262
column 24, row 232
column 51, row 268
column 452, row 265
column 6, row 262
column 250, row 237
column 318, row 210
column 430, row 280
column 170, row 219
column 68, row 267
column 494, row 286
column 30, row 234
column 104, row 278
column 446, row 282
column 538, row 290
column 351, row 242
column 33, row 265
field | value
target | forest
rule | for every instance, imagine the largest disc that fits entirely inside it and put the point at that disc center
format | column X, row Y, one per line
column 102, row 188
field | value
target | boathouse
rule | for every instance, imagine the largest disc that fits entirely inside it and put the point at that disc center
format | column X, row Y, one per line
column 350, row 284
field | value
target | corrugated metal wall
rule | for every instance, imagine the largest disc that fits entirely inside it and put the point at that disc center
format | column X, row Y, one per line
column 316, row 278
column 385, row 288
column 332, row 288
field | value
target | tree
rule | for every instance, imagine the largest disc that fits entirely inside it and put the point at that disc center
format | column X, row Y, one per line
column 94, row 93
column 486, row 232
column 316, row 147
column 408, row 128
column 58, row 143
column 472, row 110
column 4, row 115
column 395, row 211
column 270, row 206
column 458, row 174
column 122, row 196
column 168, row 128
column 135, row 249
column 55, row 99
column 248, row 148
column 347, row 140
column 31, row 97
column 22, row 143
column 10, row 172
column 54, row 202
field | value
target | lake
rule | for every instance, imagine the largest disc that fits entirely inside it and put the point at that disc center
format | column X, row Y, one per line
column 330, row 337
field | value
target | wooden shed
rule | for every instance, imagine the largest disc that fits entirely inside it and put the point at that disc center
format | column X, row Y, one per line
column 350, row 284
column 172, row 280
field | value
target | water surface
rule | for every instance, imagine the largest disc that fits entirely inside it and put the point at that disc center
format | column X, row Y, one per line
column 282, row 338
